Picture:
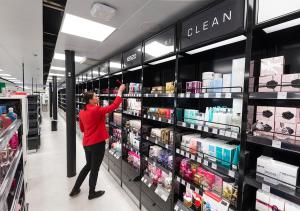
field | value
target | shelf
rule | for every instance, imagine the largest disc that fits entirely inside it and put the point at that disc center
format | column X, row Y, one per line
column 6, row 184
column 114, row 154
column 8, row 133
column 131, row 148
column 190, row 185
column 278, row 190
column 159, row 119
column 17, row 193
column 112, row 95
column 275, row 144
column 157, row 141
column 160, row 166
column 220, row 132
column 222, row 95
column 208, row 164
column 131, row 113
column 132, row 95
column 275, row 95
column 170, row 95
column 115, row 125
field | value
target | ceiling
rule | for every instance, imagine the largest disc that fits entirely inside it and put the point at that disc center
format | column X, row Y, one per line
column 135, row 20
column 21, row 39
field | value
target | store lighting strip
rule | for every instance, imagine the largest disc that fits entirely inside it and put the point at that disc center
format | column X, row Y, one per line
column 218, row 44
column 163, row 60
column 118, row 73
column 58, row 68
column 282, row 26
column 135, row 68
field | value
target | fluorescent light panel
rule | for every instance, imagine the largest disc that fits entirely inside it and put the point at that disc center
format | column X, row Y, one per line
column 103, row 73
column 282, row 26
column 3, row 74
column 57, row 68
column 56, row 74
column 157, row 49
column 218, row 44
column 118, row 73
column 115, row 65
column 85, row 28
column 163, row 60
column 61, row 56
column 135, row 68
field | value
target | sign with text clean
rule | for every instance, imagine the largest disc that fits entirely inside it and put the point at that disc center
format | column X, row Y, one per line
column 219, row 20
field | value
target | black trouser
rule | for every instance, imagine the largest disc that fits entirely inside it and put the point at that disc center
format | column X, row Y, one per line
column 94, row 155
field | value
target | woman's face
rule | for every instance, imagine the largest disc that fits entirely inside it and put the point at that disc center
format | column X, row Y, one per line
column 94, row 100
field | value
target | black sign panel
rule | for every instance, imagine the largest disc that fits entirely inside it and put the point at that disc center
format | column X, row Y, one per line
column 224, row 18
column 160, row 45
column 103, row 69
column 115, row 64
column 132, row 57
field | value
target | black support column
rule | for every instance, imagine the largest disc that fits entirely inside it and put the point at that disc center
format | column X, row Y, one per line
column 54, row 103
column 70, row 114
column 50, row 99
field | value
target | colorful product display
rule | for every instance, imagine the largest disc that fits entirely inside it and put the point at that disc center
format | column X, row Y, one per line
column 163, row 134
column 117, row 118
column 160, row 112
column 162, row 156
column 134, row 88
column 134, row 159
column 133, row 105
column 191, row 198
column 159, row 177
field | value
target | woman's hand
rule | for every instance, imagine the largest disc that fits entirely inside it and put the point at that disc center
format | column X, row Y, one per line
column 121, row 89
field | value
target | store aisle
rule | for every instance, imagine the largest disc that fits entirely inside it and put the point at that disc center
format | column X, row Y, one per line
column 48, row 186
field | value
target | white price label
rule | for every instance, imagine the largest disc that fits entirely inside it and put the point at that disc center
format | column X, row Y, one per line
column 266, row 188
column 176, row 208
column 228, row 133
column 281, row 95
column 205, row 162
column 149, row 185
column 178, row 179
column 228, row 95
column 199, row 160
column 177, row 151
column 169, row 121
column 183, row 124
column 234, row 135
column 166, row 146
column 181, row 95
column 187, row 154
column 188, row 95
column 222, row 132
column 199, row 127
column 156, row 95
column 192, row 126
column 218, row 95
column 154, row 164
column 276, row 144
column 197, row 95
column 193, row 157
column 147, row 138
column 206, row 95
column 231, row 173
column 214, row 166
column 215, row 131
column 146, row 159
column 182, row 182
column 205, row 129
column 188, row 185
column 182, row 152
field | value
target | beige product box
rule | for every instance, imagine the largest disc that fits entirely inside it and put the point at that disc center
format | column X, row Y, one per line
column 291, row 83
column 238, row 73
column 272, row 66
column 277, row 202
column 262, row 200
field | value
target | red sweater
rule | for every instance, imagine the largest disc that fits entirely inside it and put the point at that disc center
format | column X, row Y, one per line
column 92, row 122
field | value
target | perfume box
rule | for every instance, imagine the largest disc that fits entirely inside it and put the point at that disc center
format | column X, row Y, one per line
column 265, row 113
column 288, row 173
column 271, row 83
column 227, row 82
column 291, row 83
column 207, row 85
column 170, row 87
column 262, row 162
column 289, row 206
column 208, row 75
column 262, row 200
column 272, row 66
column 238, row 73
column 193, row 87
column 287, row 114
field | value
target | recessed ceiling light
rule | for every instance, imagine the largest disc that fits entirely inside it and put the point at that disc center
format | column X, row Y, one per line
column 85, row 28
column 282, row 26
column 115, row 65
column 57, row 68
column 157, row 49
column 61, row 56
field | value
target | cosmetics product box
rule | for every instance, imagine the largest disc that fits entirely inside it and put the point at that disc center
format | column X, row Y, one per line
column 269, row 135
column 290, row 83
column 227, row 82
column 238, row 72
column 158, row 89
column 170, row 87
column 208, row 76
column 277, row 202
column 262, row 162
column 287, row 114
column 262, row 200
column 288, row 173
column 272, row 66
column 289, row 206
column 188, row 87
column 265, row 113
column 269, row 83
column 217, row 85
column 207, row 84
column 285, row 131
column 193, row 87
column 229, row 192
column 225, row 154
column 156, row 132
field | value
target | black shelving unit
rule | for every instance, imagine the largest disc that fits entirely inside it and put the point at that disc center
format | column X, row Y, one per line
column 184, row 56
column 34, row 120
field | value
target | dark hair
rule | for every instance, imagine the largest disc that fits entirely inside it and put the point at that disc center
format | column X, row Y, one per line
column 87, row 97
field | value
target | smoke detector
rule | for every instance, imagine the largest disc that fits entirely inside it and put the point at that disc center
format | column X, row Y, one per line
column 103, row 11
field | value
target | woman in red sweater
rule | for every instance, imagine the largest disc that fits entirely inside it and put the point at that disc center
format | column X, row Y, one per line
column 92, row 124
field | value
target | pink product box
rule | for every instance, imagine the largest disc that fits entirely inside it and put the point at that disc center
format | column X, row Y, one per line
column 265, row 113
column 193, row 87
column 291, row 83
column 287, row 114
column 270, row 83
column 287, row 132
column 266, row 126
column 272, row 66
column 251, row 84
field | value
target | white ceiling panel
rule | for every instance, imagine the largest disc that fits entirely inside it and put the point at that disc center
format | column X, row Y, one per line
column 21, row 38
column 134, row 20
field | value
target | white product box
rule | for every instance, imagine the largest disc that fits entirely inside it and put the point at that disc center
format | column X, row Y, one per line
column 262, row 162
column 226, row 82
column 277, row 202
column 262, row 200
column 289, row 206
column 208, row 76
column 288, row 173
column 237, row 105
column 238, row 73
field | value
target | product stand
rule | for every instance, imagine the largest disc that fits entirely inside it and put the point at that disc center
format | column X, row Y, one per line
column 187, row 63
column 11, row 196
column 34, row 117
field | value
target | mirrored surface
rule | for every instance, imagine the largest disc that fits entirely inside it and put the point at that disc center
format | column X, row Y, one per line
column 103, row 68
column 132, row 57
column 115, row 64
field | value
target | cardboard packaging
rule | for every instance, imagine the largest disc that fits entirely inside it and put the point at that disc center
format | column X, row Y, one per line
column 262, row 200
column 208, row 76
column 193, row 87
column 170, row 87
column 238, row 72
column 265, row 113
column 158, row 89
column 289, row 206
column 207, row 85
column 291, row 83
column 227, row 82
column 287, row 114
column 272, row 66
column 270, row 83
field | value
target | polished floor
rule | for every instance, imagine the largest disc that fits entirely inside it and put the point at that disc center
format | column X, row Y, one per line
column 48, row 186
